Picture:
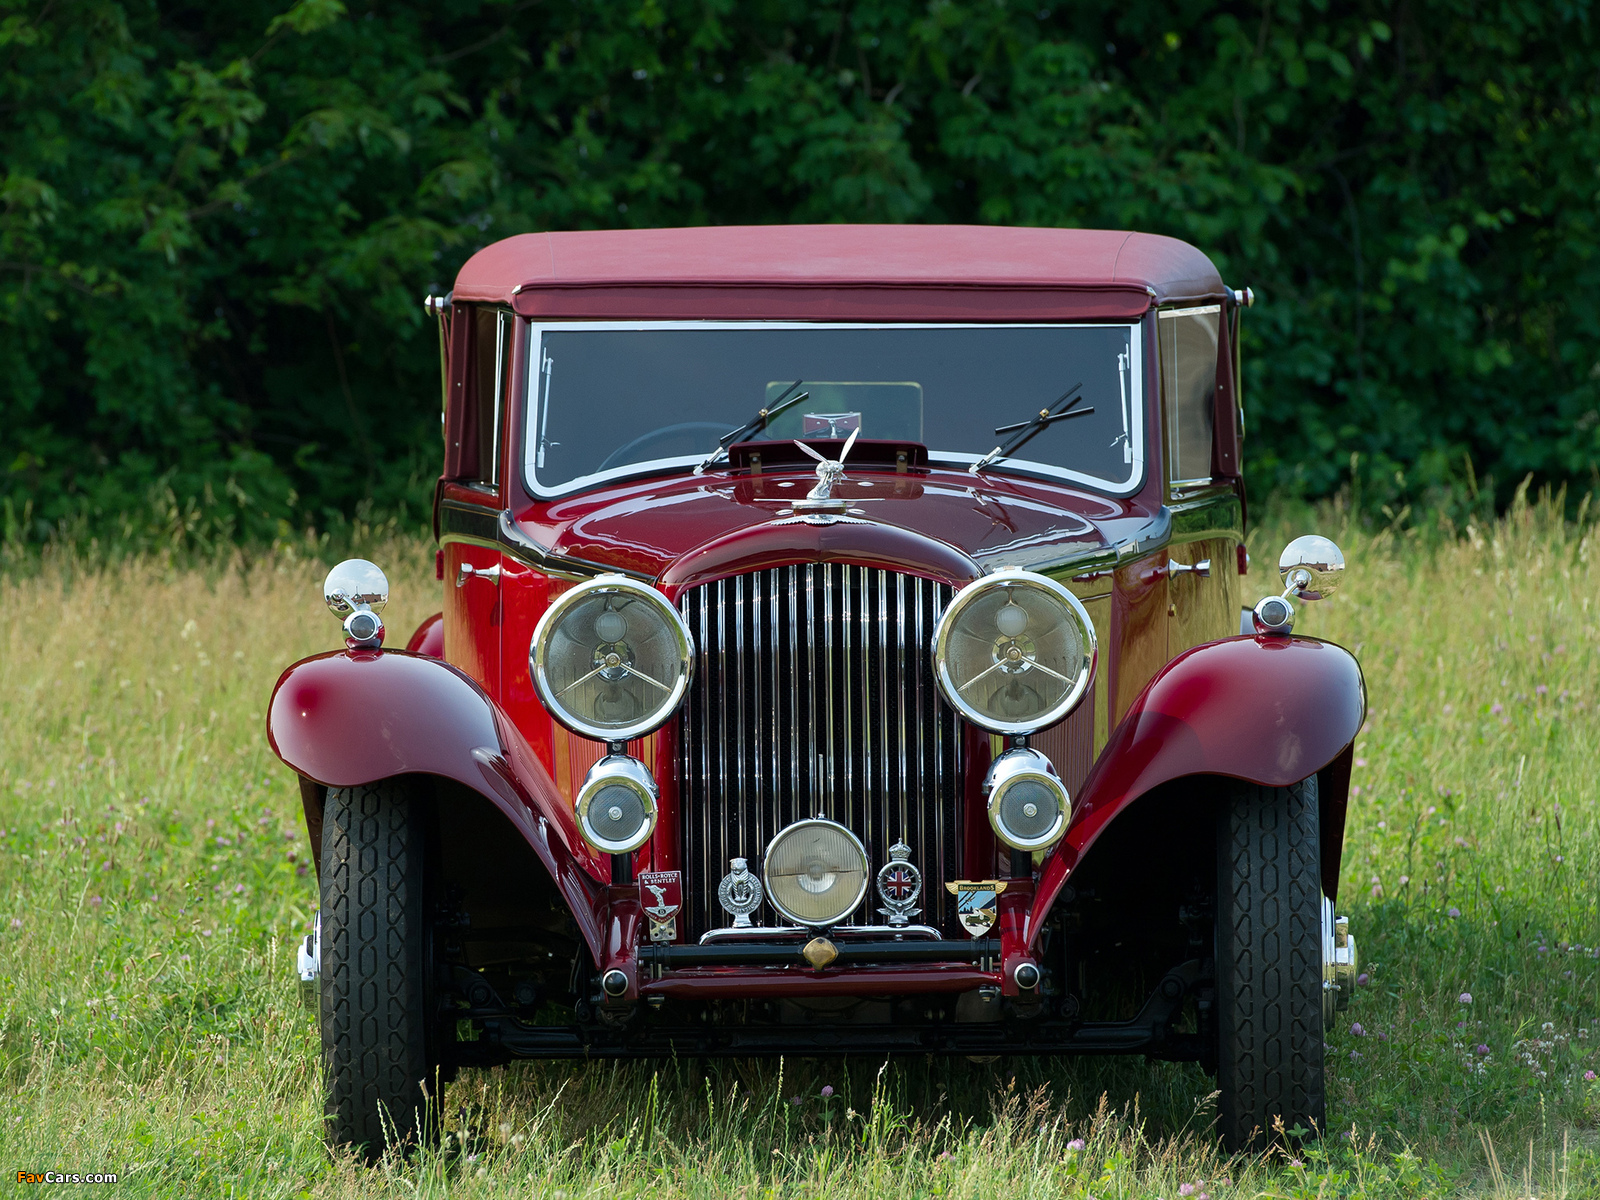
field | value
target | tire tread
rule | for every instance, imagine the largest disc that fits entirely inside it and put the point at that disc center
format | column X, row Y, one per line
column 374, row 1050
column 1269, row 963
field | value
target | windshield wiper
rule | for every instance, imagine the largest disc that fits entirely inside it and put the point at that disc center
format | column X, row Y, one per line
column 755, row 425
column 1025, row 430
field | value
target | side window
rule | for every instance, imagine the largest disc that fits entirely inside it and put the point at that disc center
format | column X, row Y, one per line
column 492, row 372
column 1189, row 387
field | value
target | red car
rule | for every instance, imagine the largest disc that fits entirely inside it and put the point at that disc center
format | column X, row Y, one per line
column 840, row 653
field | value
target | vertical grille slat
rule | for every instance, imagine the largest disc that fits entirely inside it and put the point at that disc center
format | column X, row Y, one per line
column 815, row 694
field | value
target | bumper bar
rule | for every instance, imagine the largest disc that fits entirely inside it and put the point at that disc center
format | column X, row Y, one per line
column 654, row 958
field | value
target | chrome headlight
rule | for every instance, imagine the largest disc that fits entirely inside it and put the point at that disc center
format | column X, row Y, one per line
column 611, row 659
column 1028, row 803
column 1014, row 652
column 616, row 805
column 815, row 872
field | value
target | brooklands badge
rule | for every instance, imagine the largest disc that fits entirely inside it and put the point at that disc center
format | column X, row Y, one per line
column 976, row 903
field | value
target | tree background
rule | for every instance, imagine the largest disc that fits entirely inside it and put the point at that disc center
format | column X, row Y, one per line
column 219, row 220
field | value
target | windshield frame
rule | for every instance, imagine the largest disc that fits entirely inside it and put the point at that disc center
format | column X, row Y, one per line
column 532, row 406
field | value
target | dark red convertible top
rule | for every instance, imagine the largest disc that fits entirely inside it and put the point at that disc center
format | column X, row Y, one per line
column 842, row 272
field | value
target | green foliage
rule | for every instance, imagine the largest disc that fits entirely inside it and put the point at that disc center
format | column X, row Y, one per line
column 219, row 220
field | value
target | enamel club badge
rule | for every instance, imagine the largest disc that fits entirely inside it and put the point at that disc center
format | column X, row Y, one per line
column 662, row 893
column 899, row 885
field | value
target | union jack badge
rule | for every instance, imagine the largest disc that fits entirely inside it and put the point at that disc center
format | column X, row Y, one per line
column 899, row 885
column 662, row 892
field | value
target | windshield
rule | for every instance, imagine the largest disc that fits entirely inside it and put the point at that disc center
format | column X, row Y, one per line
column 613, row 400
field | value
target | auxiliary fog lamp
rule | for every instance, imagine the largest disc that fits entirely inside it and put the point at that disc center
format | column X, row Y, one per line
column 1014, row 652
column 616, row 806
column 356, row 590
column 1028, row 804
column 1311, row 568
column 611, row 659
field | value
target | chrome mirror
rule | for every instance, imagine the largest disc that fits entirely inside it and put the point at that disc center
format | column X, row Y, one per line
column 355, row 584
column 1311, row 567
column 357, row 590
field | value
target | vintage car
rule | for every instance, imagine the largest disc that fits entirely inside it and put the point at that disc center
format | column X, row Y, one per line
column 840, row 653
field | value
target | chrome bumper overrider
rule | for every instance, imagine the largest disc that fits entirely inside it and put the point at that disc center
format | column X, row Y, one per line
column 309, row 965
column 1339, row 964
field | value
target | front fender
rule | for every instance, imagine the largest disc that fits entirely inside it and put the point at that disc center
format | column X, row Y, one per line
column 353, row 717
column 1267, row 710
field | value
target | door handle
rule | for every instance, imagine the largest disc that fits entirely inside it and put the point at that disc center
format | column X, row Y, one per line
column 467, row 571
column 1201, row 568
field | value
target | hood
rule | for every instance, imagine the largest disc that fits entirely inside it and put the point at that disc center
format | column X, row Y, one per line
column 683, row 530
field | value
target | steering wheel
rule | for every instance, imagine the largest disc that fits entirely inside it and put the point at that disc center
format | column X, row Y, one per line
column 621, row 454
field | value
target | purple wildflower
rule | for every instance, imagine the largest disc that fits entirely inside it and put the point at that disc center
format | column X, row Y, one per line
column 1465, row 997
column 827, row 1090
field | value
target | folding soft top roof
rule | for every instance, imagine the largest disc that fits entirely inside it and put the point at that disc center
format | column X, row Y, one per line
column 839, row 272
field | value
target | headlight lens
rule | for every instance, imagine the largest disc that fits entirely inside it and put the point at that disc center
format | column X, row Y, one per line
column 1028, row 804
column 1014, row 652
column 616, row 805
column 611, row 659
column 815, row 872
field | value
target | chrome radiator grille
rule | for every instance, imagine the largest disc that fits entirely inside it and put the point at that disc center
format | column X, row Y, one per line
column 814, row 693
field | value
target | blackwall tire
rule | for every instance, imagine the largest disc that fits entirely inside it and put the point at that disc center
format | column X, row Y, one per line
column 377, row 1039
column 1269, row 965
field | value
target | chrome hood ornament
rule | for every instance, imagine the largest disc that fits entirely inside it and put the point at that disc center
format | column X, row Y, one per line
column 829, row 473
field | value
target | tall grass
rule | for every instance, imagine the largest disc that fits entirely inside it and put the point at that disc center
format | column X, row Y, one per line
column 154, row 879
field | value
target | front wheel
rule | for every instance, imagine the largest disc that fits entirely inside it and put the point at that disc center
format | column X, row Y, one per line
column 1269, row 964
column 378, row 1041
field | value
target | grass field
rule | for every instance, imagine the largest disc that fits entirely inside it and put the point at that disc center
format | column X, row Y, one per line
column 154, row 879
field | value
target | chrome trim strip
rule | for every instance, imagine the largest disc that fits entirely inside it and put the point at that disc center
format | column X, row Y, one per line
column 738, row 699
column 1156, row 533
column 722, row 711
column 765, row 932
column 901, row 660
column 474, row 526
column 828, row 764
column 848, row 675
column 794, row 681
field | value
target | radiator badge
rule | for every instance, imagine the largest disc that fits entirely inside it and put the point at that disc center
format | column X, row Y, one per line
column 663, row 893
column 975, row 903
column 899, row 885
column 740, row 893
